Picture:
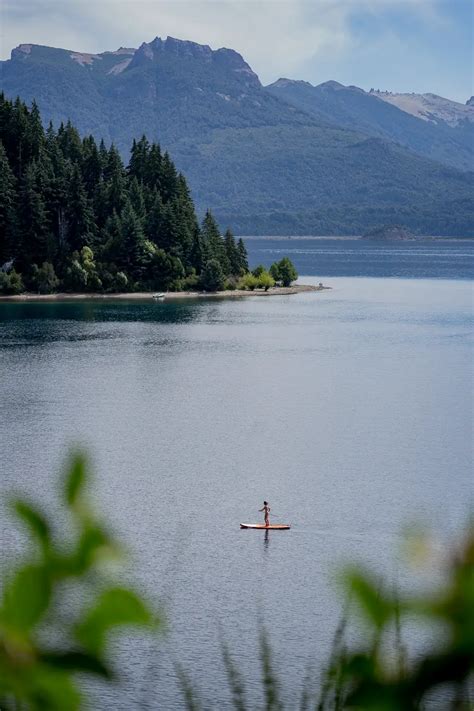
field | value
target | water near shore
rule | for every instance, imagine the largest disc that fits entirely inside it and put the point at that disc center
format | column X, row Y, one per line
column 429, row 258
column 349, row 410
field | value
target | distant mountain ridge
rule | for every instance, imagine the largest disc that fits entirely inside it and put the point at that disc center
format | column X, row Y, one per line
column 429, row 107
column 332, row 160
column 427, row 124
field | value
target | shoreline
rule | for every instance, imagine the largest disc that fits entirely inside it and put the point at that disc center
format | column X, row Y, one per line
column 169, row 296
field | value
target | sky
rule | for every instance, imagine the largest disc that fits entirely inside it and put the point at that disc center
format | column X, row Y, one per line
column 396, row 45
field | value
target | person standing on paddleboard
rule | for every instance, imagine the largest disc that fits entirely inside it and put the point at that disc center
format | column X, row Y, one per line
column 266, row 509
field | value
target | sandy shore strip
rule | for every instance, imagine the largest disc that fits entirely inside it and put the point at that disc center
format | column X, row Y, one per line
column 169, row 296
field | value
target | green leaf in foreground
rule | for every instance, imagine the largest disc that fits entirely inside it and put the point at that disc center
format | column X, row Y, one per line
column 115, row 607
column 36, row 598
column 26, row 598
column 75, row 478
column 35, row 520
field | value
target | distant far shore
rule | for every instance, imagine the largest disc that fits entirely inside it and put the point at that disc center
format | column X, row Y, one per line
column 415, row 238
column 168, row 296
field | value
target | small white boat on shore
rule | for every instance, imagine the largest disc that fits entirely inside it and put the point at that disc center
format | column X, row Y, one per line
column 159, row 297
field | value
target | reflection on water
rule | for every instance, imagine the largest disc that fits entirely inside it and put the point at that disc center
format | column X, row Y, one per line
column 347, row 409
column 103, row 310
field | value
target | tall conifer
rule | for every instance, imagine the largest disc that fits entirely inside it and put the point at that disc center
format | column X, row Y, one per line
column 81, row 225
column 33, row 227
column 213, row 242
column 244, row 262
column 7, row 208
column 114, row 176
column 137, row 167
column 233, row 254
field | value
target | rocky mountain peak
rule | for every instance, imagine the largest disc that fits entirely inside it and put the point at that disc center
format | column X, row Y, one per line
column 223, row 58
column 183, row 48
column 331, row 85
column 22, row 51
column 283, row 83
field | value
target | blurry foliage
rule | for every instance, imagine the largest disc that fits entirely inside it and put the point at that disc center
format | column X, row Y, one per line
column 377, row 675
column 375, row 679
column 44, row 640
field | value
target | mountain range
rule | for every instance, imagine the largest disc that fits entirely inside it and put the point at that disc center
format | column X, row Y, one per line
column 429, row 125
column 287, row 158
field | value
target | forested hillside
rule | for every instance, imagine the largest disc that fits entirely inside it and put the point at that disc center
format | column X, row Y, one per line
column 73, row 218
column 354, row 108
column 264, row 166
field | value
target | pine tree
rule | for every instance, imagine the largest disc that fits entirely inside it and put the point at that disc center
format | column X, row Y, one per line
column 135, row 195
column 154, row 219
column 169, row 179
column 233, row 254
column 70, row 142
column 197, row 253
column 112, row 239
column 165, row 271
column 212, row 278
column 169, row 229
column 100, row 202
column 81, row 225
column 103, row 154
column 7, row 208
column 36, row 131
column 114, row 176
column 33, row 227
column 133, row 249
column 213, row 242
column 137, row 167
column 6, row 124
column 244, row 262
column 20, row 136
column 154, row 166
column 55, row 190
column 187, row 218
column 91, row 166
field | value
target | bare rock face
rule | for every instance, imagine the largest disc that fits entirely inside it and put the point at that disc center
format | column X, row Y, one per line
column 430, row 107
column 390, row 232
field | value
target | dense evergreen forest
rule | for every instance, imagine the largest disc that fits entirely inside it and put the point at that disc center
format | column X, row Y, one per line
column 73, row 218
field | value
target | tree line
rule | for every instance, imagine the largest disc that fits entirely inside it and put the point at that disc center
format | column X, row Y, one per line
column 74, row 218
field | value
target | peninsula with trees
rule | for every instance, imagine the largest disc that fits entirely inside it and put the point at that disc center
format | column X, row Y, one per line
column 75, row 220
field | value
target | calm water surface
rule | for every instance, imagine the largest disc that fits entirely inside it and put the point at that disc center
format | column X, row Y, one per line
column 349, row 410
column 433, row 258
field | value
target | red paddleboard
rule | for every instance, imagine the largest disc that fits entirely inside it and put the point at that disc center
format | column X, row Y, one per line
column 271, row 527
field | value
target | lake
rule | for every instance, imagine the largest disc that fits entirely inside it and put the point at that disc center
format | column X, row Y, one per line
column 349, row 410
column 347, row 256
